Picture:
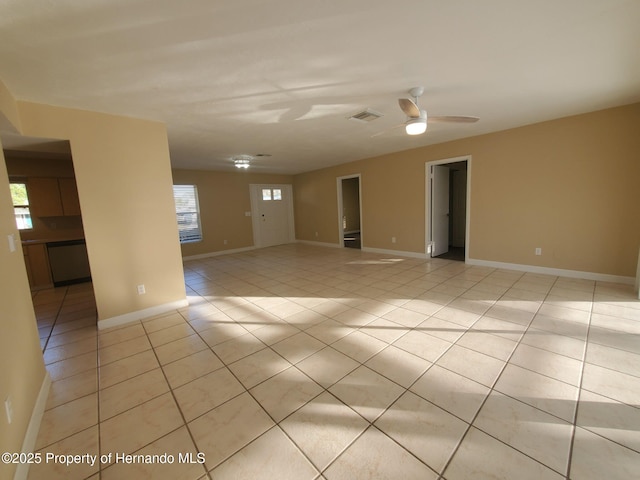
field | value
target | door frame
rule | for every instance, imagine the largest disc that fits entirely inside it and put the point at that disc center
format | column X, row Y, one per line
column 255, row 189
column 341, row 207
column 427, row 200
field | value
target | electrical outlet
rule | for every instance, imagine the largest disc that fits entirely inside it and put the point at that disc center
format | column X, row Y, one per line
column 225, row 242
column 393, row 239
column 8, row 406
column 316, row 234
column 538, row 251
column 141, row 289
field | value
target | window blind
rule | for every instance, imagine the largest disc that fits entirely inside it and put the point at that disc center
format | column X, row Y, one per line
column 187, row 212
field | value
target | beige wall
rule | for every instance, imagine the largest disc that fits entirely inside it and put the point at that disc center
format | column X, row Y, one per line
column 21, row 365
column 224, row 197
column 392, row 197
column 9, row 116
column 124, row 183
column 569, row 186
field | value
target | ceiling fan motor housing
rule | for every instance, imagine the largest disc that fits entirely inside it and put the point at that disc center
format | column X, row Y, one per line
column 417, row 125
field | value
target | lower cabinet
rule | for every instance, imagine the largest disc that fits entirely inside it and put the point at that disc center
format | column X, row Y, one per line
column 37, row 263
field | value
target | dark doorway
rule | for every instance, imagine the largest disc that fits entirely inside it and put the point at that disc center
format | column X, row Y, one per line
column 350, row 212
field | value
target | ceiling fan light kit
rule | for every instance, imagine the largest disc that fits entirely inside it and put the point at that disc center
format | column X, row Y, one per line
column 416, row 123
column 242, row 161
column 416, row 126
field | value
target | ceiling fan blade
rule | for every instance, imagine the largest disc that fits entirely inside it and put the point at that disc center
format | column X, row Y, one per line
column 452, row 119
column 409, row 107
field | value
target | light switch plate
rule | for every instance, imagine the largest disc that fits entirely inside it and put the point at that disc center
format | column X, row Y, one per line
column 12, row 242
column 8, row 407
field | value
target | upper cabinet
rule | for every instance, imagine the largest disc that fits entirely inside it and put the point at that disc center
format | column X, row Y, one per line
column 53, row 197
column 69, row 196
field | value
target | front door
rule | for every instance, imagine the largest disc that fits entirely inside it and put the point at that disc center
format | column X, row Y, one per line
column 272, row 211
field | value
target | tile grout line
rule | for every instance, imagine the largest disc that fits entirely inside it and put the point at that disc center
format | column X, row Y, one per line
column 577, row 406
column 83, row 396
column 246, row 390
column 276, row 423
column 575, row 413
column 491, row 390
column 323, row 390
column 185, row 424
column 407, row 389
column 173, row 396
column 53, row 325
column 541, row 304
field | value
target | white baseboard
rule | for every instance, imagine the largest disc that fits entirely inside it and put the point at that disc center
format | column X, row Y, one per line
column 29, row 443
column 141, row 314
column 216, row 254
column 319, row 244
column 600, row 277
column 398, row 253
column 637, row 285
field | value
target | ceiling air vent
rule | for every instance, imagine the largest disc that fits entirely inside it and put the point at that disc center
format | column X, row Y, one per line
column 366, row 116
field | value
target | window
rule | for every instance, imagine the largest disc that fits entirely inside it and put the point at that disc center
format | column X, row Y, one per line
column 271, row 194
column 188, row 213
column 21, row 205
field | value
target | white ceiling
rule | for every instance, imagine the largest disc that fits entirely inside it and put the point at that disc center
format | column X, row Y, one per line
column 281, row 76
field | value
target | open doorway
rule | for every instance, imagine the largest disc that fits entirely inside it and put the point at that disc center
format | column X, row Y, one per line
column 447, row 208
column 349, row 211
column 47, row 209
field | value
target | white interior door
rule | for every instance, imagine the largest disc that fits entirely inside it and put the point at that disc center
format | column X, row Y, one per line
column 439, row 210
column 272, row 214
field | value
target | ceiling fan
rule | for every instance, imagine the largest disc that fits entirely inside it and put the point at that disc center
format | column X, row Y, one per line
column 417, row 118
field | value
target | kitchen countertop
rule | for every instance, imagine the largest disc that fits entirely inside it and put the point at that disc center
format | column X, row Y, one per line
column 49, row 240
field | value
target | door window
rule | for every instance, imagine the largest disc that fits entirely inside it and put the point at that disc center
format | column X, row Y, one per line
column 269, row 194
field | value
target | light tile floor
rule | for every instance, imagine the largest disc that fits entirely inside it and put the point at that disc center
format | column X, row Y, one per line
column 301, row 362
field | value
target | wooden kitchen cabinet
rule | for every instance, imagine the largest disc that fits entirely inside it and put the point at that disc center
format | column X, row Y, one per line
column 37, row 263
column 53, row 197
column 28, row 265
column 69, row 196
column 44, row 197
